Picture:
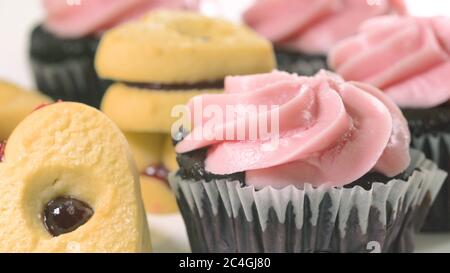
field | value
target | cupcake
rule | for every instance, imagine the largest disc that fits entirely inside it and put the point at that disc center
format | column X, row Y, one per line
column 409, row 59
column 162, row 61
column 303, row 31
column 63, row 47
column 69, row 184
column 333, row 174
column 15, row 104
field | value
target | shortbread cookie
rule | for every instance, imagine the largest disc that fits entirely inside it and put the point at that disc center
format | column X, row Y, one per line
column 68, row 184
column 15, row 104
column 141, row 110
column 151, row 152
column 181, row 47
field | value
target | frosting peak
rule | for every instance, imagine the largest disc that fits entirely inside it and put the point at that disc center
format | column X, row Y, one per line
column 329, row 131
column 407, row 57
column 314, row 26
column 95, row 16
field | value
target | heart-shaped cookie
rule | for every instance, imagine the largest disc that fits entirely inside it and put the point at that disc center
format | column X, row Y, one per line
column 68, row 184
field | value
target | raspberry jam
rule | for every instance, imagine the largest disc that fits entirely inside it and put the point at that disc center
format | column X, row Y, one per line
column 65, row 214
column 2, row 150
column 157, row 171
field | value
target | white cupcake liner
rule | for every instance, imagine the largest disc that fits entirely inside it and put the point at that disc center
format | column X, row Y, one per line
column 436, row 146
column 222, row 216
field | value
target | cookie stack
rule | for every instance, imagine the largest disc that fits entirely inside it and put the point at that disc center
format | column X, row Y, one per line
column 16, row 103
column 159, row 62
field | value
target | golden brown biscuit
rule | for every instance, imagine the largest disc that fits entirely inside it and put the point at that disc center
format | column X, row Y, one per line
column 141, row 110
column 181, row 47
column 146, row 148
column 151, row 151
column 157, row 195
column 68, row 184
column 169, row 156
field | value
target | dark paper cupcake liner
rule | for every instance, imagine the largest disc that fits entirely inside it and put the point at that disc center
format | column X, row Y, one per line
column 70, row 81
column 436, row 146
column 222, row 216
column 300, row 63
column 64, row 68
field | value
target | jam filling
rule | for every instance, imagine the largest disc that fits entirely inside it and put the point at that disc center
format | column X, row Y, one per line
column 178, row 87
column 65, row 214
column 159, row 172
column 46, row 104
column 2, row 150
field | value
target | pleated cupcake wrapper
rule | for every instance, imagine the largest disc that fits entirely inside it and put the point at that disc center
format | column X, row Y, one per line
column 302, row 64
column 436, row 147
column 222, row 216
column 70, row 80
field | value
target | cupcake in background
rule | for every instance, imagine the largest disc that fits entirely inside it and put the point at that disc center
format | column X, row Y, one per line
column 63, row 47
column 303, row 31
column 15, row 104
column 409, row 59
column 341, row 177
column 159, row 62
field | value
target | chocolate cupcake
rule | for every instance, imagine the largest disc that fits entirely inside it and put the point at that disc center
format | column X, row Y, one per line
column 333, row 174
column 303, row 31
column 408, row 58
column 62, row 49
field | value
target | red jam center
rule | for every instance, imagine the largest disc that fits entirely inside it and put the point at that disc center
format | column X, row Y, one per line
column 157, row 171
column 2, row 150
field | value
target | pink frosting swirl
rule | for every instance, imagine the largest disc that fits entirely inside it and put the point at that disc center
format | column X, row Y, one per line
column 330, row 131
column 314, row 26
column 87, row 17
column 407, row 57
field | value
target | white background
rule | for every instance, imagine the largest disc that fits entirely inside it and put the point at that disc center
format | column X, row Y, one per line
column 17, row 17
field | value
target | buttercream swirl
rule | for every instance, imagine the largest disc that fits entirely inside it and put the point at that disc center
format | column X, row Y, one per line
column 407, row 57
column 314, row 26
column 330, row 131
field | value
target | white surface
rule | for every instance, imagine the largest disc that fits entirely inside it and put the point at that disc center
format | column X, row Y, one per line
column 17, row 17
column 169, row 235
